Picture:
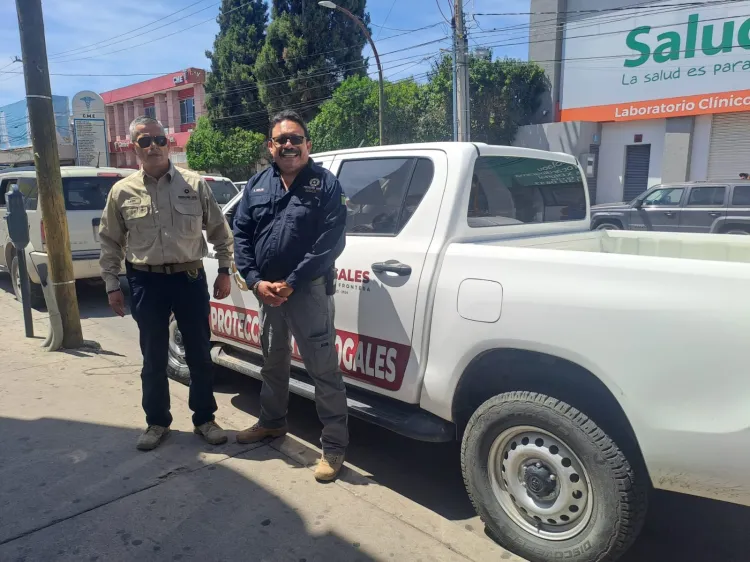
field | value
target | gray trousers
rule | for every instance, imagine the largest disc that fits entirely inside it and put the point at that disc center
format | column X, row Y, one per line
column 308, row 315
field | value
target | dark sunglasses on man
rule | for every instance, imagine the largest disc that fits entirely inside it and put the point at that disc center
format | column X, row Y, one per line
column 296, row 140
column 159, row 140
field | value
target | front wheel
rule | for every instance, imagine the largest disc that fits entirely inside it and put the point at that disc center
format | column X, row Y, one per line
column 177, row 368
column 36, row 295
column 607, row 226
column 548, row 482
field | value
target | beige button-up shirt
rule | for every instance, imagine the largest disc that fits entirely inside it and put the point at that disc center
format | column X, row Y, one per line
column 159, row 222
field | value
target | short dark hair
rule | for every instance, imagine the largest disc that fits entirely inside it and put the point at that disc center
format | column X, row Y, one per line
column 288, row 115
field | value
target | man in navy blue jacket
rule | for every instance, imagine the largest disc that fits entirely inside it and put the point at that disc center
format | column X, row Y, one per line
column 288, row 231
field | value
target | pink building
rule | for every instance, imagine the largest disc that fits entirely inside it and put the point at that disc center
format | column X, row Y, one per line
column 177, row 100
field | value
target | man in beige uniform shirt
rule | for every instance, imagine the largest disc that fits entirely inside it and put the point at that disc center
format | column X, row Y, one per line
column 154, row 220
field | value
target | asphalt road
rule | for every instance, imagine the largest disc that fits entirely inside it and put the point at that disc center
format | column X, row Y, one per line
column 678, row 527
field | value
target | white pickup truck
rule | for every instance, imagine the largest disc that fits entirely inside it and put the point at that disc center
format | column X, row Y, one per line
column 578, row 368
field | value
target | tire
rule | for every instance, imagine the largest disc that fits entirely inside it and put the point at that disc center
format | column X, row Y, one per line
column 593, row 508
column 36, row 295
column 177, row 368
column 736, row 230
column 607, row 226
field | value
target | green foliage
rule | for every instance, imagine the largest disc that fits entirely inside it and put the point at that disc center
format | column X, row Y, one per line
column 308, row 51
column 233, row 153
column 504, row 95
column 231, row 93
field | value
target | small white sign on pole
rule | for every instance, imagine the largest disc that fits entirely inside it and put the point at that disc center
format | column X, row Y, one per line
column 91, row 142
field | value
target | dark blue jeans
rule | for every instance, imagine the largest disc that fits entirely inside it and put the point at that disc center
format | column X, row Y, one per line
column 154, row 296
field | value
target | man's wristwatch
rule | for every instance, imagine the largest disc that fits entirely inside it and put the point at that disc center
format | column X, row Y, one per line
column 224, row 270
column 254, row 288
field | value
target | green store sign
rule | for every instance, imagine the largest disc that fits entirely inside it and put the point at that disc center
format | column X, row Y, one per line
column 674, row 45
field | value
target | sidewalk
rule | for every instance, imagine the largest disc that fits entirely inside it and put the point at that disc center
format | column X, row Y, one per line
column 73, row 486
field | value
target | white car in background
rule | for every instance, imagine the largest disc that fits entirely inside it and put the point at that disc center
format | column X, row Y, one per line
column 85, row 191
column 222, row 188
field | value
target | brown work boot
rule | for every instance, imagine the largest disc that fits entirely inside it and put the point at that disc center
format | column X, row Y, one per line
column 211, row 432
column 329, row 467
column 258, row 433
column 151, row 438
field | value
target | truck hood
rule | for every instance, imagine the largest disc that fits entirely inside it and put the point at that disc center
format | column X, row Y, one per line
column 610, row 207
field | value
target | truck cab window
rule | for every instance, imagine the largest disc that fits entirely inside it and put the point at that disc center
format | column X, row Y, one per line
column 507, row 190
column 383, row 193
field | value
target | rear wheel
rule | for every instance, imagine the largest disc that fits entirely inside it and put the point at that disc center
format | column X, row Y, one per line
column 548, row 482
column 737, row 230
column 36, row 295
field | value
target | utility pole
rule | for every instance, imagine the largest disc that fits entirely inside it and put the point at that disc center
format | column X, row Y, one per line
column 462, row 73
column 47, row 162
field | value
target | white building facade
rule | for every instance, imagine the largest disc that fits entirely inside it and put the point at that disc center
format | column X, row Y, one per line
column 661, row 90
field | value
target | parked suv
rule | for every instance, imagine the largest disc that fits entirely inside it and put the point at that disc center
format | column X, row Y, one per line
column 222, row 188
column 85, row 191
column 715, row 207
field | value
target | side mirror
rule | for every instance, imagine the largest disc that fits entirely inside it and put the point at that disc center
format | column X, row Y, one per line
column 638, row 203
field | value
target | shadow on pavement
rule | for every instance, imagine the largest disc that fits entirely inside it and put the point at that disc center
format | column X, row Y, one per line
column 76, row 491
column 411, row 468
column 678, row 527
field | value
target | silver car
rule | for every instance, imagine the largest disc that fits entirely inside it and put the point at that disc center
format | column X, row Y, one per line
column 715, row 207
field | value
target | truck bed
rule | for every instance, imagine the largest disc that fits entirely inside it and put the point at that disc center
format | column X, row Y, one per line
column 711, row 247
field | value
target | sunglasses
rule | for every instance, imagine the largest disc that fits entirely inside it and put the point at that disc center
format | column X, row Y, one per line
column 296, row 140
column 145, row 142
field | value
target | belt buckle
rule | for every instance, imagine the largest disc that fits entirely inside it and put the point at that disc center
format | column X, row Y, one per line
column 168, row 269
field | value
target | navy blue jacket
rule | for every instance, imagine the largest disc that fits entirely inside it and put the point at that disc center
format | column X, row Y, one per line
column 293, row 236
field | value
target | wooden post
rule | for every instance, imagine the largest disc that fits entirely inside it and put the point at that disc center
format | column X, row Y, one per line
column 47, row 162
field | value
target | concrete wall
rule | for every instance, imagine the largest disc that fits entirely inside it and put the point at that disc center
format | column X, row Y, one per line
column 678, row 140
column 615, row 137
column 701, row 144
column 545, row 47
column 572, row 137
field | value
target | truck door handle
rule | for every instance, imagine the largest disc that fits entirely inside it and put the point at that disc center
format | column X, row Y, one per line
column 392, row 266
column 669, row 213
column 714, row 214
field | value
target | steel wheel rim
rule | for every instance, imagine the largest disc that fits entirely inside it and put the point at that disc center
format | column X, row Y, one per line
column 16, row 276
column 524, row 463
column 176, row 347
column 607, row 226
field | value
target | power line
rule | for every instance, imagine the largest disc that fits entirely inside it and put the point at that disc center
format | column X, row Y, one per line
column 441, row 11
column 85, row 48
column 615, row 9
column 386, row 19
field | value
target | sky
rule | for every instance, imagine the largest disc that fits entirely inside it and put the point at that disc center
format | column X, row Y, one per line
column 102, row 45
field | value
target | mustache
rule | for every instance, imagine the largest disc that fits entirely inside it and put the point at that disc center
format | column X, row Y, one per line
column 290, row 152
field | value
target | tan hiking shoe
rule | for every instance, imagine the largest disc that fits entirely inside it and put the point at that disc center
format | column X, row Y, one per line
column 211, row 432
column 151, row 438
column 258, row 433
column 329, row 467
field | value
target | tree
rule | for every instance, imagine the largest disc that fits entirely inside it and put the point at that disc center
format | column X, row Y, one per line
column 233, row 153
column 350, row 118
column 232, row 97
column 309, row 50
column 505, row 94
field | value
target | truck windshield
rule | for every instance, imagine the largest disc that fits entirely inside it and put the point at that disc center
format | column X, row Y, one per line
column 509, row 190
column 87, row 193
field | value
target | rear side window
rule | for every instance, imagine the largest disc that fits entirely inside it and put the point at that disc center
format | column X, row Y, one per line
column 87, row 194
column 27, row 187
column 223, row 190
column 705, row 196
column 508, row 190
column 383, row 193
column 741, row 195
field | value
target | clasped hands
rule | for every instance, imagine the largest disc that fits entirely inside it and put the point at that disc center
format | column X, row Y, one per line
column 273, row 294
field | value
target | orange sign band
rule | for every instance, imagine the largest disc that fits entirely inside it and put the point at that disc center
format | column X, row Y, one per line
column 725, row 102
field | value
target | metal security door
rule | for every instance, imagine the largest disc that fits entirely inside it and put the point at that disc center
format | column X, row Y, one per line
column 637, row 160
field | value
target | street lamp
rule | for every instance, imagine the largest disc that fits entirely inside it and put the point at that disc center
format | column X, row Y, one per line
column 381, row 92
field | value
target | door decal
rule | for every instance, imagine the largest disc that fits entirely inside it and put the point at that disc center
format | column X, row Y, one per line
column 377, row 362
